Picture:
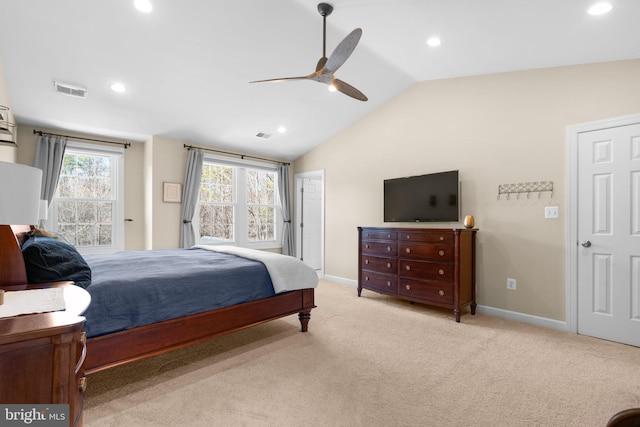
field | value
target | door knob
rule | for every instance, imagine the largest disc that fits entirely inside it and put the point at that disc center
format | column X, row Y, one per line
column 586, row 243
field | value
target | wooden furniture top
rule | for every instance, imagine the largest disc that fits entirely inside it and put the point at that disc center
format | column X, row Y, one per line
column 31, row 326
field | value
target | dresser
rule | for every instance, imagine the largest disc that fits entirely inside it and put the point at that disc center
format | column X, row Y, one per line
column 435, row 266
column 42, row 356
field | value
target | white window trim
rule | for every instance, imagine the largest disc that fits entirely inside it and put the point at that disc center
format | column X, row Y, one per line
column 118, row 218
column 240, row 215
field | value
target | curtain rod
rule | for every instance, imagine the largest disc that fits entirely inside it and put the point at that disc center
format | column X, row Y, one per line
column 39, row 132
column 242, row 156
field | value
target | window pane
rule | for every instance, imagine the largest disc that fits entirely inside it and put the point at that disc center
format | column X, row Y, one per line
column 261, row 223
column 85, row 199
column 260, row 187
column 216, row 184
column 85, row 235
column 216, row 223
column 261, row 205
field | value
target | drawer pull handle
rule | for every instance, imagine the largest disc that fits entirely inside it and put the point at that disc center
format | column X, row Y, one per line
column 366, row 261
column 366, row 278
column 408, row 237
column 408, row 287
column 408, row 267
column 441, row 238
column 82, row 384
column 441, row 272
column 389, row 248
column 441, row 292
column 388, row 265
column 441, row 252
column 408, row 250
column 388, row 283
column 83, row 355
column 388, row 236
column 366, row 246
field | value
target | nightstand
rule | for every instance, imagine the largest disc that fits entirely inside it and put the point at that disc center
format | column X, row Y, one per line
column 42, row 355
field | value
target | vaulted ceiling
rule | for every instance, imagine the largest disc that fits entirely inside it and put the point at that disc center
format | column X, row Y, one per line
column 187, row 64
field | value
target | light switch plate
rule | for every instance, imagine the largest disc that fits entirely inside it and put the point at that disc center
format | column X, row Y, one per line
column 551, row 212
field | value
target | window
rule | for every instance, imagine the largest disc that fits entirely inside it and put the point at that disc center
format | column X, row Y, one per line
column 87, row 208
column 238, row 204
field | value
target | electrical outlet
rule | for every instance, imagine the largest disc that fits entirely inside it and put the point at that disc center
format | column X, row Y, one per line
column 511, row 284
column 551, row 212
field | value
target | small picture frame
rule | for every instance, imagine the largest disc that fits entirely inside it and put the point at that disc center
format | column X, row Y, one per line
column 172, row 192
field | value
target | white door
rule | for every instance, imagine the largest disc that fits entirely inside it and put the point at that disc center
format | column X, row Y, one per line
column 608, row 231
column 310, row 220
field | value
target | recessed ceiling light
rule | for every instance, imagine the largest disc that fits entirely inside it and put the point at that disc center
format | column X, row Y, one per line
column 143, row 5
column 282, row 129
column 600, row 8
column 434, row 41
column 118, row 87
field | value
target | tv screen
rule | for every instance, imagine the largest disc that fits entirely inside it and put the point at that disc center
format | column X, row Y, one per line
column 423, row 198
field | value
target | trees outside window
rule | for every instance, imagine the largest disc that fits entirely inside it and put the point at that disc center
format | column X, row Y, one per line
column 87, row 207
column 238, row 205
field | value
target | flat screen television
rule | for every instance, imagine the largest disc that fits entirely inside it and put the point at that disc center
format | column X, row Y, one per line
column 424, row 198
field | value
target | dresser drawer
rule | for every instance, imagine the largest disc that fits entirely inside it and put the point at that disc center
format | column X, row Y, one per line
column 379, row 234
column 436, row 292
column 380, row 248
column 379, row 282
column 428, row 252
column 382, row 265
column 443, row 237
column 426, row 270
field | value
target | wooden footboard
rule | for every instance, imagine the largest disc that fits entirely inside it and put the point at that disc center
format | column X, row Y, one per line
column 137, row 343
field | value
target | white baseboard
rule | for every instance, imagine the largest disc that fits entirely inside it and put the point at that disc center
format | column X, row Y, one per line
column 498, row 312
column 341, row 280
column 523, row 317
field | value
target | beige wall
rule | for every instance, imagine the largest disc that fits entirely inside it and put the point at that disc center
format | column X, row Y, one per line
column 495, row 129
column 166, row 159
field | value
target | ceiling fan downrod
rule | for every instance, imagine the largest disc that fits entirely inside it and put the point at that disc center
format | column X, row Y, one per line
column 325, row 10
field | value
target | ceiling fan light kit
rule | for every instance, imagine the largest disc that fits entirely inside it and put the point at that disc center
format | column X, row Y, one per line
column 326, row 67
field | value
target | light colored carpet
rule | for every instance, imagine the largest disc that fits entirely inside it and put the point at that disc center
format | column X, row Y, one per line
column 374, row 361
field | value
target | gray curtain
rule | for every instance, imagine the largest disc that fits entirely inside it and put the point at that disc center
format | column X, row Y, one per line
column 190, row 197
column 49, row 157
column 285, row 200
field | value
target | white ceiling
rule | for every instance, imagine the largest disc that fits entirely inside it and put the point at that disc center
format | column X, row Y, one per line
column 187, row 64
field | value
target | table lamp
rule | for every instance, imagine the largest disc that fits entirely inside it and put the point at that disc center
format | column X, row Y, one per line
column 19, row 205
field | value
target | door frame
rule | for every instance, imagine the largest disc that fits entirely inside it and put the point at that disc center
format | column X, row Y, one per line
column 573, row 134
column 319, row 175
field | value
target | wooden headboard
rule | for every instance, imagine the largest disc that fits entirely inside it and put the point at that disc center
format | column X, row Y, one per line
column 12, row 271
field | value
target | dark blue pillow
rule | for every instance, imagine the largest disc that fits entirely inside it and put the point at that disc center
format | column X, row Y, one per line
column 51, row 260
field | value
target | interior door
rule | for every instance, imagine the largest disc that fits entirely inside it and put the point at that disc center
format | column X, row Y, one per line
column 311, row 222
column 309, row 219
column 609, row 234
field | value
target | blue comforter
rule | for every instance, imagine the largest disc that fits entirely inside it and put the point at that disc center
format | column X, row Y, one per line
column 135, row 288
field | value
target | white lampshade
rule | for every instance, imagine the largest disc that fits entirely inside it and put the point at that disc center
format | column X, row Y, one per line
column 19, row 194
column 44, row 210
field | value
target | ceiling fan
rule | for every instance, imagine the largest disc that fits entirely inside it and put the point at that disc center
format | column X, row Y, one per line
column 326, row 67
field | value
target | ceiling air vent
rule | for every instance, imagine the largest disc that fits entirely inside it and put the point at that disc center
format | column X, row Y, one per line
column 263, row 135
column 70, row 90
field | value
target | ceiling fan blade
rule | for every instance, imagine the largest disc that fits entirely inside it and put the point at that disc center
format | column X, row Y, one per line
column 281, row 79
column 347, row 89
column 321, row 63
column 343, row 51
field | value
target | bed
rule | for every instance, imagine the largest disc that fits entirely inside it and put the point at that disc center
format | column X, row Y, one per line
column 182, row 314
